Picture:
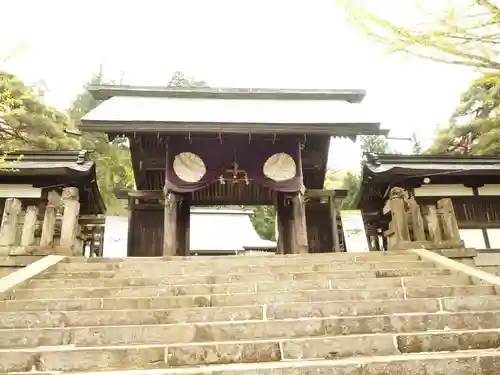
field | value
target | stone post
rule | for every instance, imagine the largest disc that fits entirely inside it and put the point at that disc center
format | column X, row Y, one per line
column 70, row 218
column 9, row 222
column 399, row 221
column 417, row 222
column 49, row 219
column 30, row 219
column 433, row 226
column 449, row 222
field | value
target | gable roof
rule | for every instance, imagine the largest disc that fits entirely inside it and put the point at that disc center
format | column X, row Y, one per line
column 153, row 109
column 69, row 167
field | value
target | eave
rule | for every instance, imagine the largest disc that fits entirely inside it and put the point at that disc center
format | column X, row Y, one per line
column 105, row 92
column 344, row 129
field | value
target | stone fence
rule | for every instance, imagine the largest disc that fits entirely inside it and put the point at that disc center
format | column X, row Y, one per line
column 23, row 232
column 413, row 226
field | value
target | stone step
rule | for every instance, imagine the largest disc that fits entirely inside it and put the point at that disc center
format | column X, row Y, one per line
column 145, row 315
column 223, row 278
column 278, row 311
column 267, row 259
column 208, row 269
column 333, row 283
column 469, row 362
column 242, row 299
column 169, row 334
column 69, row 358
column 177, row 290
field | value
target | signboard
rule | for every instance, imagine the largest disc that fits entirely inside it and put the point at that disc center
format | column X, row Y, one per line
column 354, row 231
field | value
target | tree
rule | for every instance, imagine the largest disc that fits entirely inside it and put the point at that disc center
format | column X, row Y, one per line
column 180, row 80
column 369, row 144
column 112, row 158
column 27, row 122
column 264, row 221
column 466, row 33
column 417, row 146
column 475, row 125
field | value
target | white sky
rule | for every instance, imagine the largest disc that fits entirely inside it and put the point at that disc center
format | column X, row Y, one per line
column 245, row 43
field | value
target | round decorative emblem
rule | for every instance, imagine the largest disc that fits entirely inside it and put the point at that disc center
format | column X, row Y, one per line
column 189, row 167
column 280, row 167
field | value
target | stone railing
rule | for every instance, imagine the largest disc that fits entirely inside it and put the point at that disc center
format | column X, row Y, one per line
column 413, row 226
column 23, row 233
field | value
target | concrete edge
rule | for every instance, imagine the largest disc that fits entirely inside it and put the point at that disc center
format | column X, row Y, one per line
column 457, row 266
column 19, row 277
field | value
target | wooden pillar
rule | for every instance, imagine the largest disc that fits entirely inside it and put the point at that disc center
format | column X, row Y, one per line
column 335, row 231
column 299, row 225
column 130, row 233
column 282, row 235
column 183, row 226
column 170, row 232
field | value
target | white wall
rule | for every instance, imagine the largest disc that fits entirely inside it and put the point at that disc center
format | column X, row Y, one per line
column 19, row 191
column 473, row 238
column 491, row 189
column 443, row 190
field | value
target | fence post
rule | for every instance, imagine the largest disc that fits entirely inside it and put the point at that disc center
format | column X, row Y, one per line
column 30, row 219
column 398, row 216
column 49, row 219
column 432, row 219
column 9, row 222
column 449, row 221
column 417, row 221
column 70, row 216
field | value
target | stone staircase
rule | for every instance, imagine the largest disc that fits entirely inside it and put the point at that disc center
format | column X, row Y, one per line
column 348, row 314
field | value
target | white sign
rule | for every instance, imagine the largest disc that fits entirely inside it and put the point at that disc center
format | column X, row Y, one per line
column 354, row 231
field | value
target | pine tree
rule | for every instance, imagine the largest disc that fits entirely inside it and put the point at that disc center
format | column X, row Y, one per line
column 27, row 122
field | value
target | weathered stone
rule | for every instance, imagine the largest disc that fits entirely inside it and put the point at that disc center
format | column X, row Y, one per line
column 449, row 291
column 236, row 352
column 471, row 303
column 245, row 330
column 358, row 308
column 127, row 317
column 338, row 347
column 448, row 341
column 304, row 296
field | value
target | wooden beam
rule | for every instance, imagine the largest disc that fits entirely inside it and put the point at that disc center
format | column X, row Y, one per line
column 283, row 235
column 321, row 193
column 335, row 231
column 170, row 232
column 183, row 226
column 299, row 227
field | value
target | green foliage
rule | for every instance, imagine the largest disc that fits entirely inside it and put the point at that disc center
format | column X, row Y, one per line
column 351, row 181
column 28, row 123
column 466, row 33
column 113, row 162
column 474, row 128
column 264, row 221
